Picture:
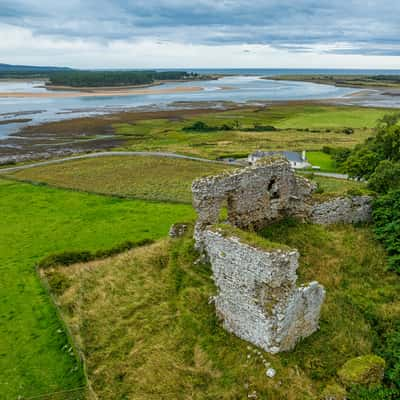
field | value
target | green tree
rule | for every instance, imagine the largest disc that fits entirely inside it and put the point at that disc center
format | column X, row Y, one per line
column 385, row 177
column 385, row 145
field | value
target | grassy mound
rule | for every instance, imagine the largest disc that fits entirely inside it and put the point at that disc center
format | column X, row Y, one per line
column 365, row 370
column 144, row 321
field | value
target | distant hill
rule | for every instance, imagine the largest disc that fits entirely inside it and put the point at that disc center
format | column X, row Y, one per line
column 30, row 68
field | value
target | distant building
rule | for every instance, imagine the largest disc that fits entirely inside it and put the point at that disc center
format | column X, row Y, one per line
column 297, row 160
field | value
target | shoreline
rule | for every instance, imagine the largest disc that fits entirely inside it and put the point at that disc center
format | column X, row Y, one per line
column 101, row 93
column 333, row 82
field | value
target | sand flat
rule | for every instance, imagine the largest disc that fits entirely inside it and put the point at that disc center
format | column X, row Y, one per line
column 102, row 93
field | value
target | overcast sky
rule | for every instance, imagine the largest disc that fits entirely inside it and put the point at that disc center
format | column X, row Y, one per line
column 205, row 33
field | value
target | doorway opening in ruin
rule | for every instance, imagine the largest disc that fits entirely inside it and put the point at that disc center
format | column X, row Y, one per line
column 223, row 211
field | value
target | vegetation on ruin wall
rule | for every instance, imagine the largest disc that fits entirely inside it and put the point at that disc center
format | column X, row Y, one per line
column 246, row 237
column 178, row 348
column 37, row 221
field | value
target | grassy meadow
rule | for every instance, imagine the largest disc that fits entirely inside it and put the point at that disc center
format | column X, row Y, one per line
column 299, row 127
column 149, row 178
column 148, row 331
column 35, row 356
column 322, row 160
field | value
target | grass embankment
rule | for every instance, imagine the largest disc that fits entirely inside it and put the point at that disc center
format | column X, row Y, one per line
column 299, row 127
column 36, row 221
column 145, row 324
column 150, row 178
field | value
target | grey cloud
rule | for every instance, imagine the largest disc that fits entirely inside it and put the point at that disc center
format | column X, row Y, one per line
column 370, row 27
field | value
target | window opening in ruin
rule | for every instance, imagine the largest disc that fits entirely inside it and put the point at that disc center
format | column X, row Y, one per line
column 273, row 189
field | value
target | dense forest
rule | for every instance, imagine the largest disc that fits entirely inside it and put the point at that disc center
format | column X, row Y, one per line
column 79, row 78
column 114, row 78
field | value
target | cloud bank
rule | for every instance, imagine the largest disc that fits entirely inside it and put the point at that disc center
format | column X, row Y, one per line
column 225, row 33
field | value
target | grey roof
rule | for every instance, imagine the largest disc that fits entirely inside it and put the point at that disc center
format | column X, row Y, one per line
column 289, row 155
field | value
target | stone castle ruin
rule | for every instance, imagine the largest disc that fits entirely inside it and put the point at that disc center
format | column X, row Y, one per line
column 258, row 299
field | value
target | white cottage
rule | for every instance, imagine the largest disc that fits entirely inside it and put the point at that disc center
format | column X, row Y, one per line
column 296, row 160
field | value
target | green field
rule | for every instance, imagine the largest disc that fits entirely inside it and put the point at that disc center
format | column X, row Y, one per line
column 148, row 331
column 299, row 127
column 149, row 178
column 36, row 221
column 321, row 159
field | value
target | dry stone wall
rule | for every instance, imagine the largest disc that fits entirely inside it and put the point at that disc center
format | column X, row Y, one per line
column 258, row 299
column 342, row 210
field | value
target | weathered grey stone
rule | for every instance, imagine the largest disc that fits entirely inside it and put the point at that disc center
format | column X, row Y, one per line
column 177, row 230
column 269, row 191
column 254, row 196
column 270, row 372
column 257, row 295
column 342, row 210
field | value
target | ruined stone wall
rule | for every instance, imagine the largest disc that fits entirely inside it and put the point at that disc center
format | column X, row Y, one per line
column 254, row 196
column 257, row 295
column 257, row 298
column 342, row 210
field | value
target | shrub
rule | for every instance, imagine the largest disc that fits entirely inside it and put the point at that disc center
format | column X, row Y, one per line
column 385, row 177
column 386, row 214
column 365, row 370
column 200, row 126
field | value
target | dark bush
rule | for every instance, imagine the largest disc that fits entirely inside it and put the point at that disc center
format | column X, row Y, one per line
column 386, row 216
column 348, row 131
column 262, row 128
column 200, row 126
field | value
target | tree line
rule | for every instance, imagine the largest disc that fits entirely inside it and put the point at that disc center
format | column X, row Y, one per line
column 90, row 78
column 114, row 78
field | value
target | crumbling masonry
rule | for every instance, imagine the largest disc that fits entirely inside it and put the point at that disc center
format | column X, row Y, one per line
column 257, row 298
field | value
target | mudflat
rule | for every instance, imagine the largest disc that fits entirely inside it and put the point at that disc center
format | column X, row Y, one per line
column 102, row 92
